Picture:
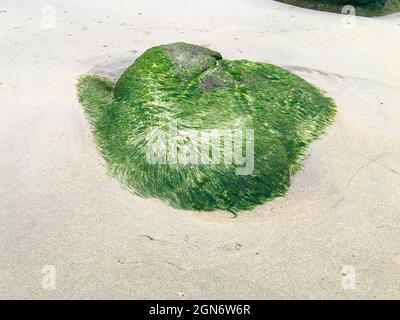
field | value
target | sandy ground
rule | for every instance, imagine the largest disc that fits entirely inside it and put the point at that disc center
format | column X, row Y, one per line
column 58, row 207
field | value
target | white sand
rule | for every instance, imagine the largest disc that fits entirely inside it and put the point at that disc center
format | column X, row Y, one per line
column 58, row 207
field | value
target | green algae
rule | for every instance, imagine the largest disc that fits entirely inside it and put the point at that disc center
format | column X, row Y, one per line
column 199, row 91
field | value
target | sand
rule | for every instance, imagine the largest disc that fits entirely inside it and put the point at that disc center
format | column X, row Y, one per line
column 58, row 206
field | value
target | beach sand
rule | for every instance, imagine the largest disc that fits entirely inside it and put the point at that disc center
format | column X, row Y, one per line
column 58, row 206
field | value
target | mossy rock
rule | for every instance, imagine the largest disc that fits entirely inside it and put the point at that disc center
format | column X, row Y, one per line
column 204, row 95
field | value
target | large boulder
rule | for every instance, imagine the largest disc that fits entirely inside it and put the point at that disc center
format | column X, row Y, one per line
column 184, row 125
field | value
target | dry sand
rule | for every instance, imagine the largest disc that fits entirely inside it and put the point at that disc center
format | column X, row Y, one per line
column 58, row 207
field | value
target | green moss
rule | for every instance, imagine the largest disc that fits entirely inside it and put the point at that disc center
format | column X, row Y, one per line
column 336, row 6
column 201, row 92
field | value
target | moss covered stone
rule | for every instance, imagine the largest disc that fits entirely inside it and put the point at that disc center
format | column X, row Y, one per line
column 204, row 95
